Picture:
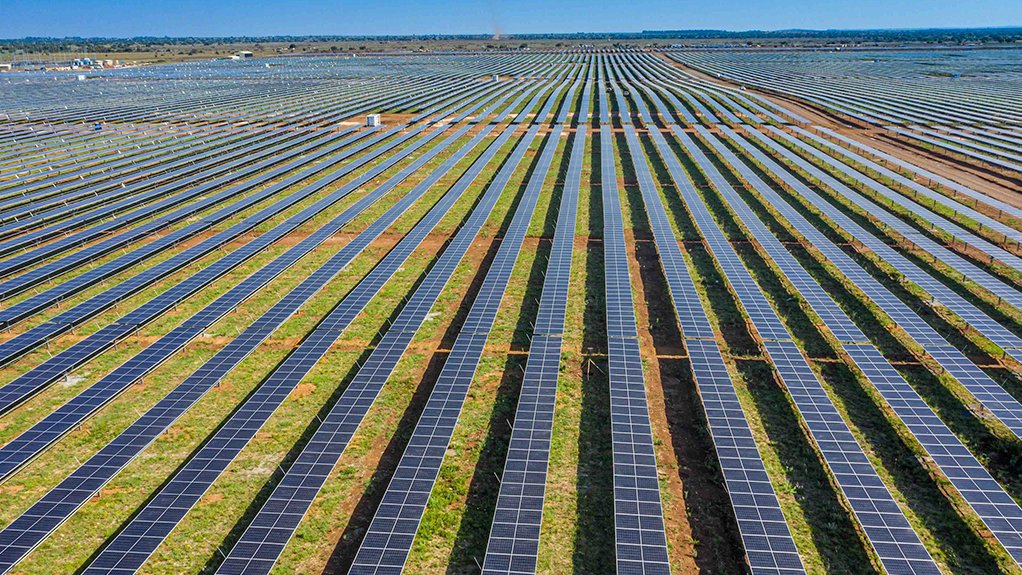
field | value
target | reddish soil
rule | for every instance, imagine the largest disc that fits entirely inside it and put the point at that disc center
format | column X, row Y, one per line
column 987, row 181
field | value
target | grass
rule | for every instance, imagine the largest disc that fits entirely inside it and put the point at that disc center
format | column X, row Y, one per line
column 911, row 485
column 265, row 359
column 578, row 528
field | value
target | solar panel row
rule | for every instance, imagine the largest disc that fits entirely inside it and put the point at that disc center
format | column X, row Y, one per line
column 23, row 309
column 514, row 534
column 56, row 367
column 90, row 253
column 933, row 220
column 997, row 509
column 147, row 530
column 640, row 539
column 273, row 526
column 769, row 546
column 207, row 376
column 976, row 318
column 29, row 529
column 885, row 526
column 1011, row 235
column 31, row 442
column 991, row 395
column 958, row 263
column 389, row 537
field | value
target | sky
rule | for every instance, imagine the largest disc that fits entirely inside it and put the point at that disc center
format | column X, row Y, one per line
column 126, row 18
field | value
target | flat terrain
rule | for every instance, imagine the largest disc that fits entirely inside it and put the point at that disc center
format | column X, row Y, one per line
column 616, row 310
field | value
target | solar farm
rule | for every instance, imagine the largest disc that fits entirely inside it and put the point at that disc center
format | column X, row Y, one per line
column 579, row 311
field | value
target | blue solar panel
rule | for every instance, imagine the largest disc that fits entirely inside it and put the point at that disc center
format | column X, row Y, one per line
column 976, row 318
column 159, row 517
column 639, row 535
column 933, row 220
column 967, row 269
column 89, row 204
column 995, row 398
column 390, row 535
column 885, row 526
column 290, row 149
column 35, row 524
column 920, row 191
column 264, row 539
column 153, row 177
column 1001, row 514
column 70, row 414
column 514, row 534
column 34, row 337
column 768, row 542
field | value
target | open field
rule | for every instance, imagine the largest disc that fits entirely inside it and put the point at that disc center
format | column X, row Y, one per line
column 614, row 310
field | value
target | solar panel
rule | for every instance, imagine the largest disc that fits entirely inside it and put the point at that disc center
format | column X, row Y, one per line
column 933, row 220
column 639, row 535
column 967, row 269
column 27, row 385
column 637, row 101
column 177, row 166
column 919, row 190
column 768, row 542
column 997, row 509
column 390, row 535
column 276, row 521
column 236, row 170
column 33, row 526
column 976, row 318
column 1001, row 403
column 958, row 146
column 882, row 521
column 988, row 499
column 43, row 273
column 107, row 195
column 64, row 418
column 159, row 517
column 34, row 337
column 514, row 534
column 943, row 182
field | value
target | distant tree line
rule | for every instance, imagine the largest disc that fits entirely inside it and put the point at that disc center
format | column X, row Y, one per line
column 927, row 35
column 147, row 43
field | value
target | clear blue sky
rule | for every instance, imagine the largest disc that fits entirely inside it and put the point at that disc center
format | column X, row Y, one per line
column 125, row 18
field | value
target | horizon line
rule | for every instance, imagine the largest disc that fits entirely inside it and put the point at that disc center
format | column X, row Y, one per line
column 517, row 35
